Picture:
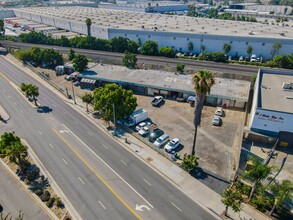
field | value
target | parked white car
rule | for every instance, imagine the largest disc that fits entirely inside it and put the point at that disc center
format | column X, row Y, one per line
column 216, row 120
column 144, row 131
column 140, row 126
column 173, row 144
column 161, row 140
column 219, row 111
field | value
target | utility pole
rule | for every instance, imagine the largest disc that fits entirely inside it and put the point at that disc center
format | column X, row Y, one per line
column 114, row 118
column 73, row 92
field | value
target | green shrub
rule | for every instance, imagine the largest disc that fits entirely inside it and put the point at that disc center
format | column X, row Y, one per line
column 50, row 202
column 45, row 196
column 39, row 192
column 58, row 202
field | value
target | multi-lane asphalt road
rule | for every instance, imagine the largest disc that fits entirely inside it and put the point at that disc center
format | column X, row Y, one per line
column 195, row 64
column 100, row 178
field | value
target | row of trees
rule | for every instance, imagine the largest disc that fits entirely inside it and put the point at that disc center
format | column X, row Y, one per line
column 262, row 197
column 47, row 57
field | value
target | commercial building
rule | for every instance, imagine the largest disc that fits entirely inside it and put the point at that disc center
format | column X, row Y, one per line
column 168, row 30
column 229, row 93
column 256, row 8
column 148, row 7
column 272, row 108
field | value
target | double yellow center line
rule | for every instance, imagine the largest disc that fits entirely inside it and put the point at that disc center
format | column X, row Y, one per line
column 98, row 175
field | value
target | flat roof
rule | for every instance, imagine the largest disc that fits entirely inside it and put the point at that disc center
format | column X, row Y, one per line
column 223, row 88
column 119, row 19
column 272, row 96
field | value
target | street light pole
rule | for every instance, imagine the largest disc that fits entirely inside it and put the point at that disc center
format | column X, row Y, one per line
column 73, row 92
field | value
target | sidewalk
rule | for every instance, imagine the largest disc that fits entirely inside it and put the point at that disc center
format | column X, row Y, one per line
column 193, row 188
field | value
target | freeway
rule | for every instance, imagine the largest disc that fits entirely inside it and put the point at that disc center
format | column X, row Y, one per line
column 100, row 178
column 196, row 64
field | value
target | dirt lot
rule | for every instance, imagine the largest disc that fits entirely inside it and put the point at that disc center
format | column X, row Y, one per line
column 215, row 145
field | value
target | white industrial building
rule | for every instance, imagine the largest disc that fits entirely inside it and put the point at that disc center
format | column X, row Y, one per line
column 168, row 30
column 148, row 7
column 272, row 108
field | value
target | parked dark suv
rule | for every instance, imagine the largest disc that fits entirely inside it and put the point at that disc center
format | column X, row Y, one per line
column 155, row 134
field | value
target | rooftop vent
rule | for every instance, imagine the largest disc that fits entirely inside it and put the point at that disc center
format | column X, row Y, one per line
column 287, row 86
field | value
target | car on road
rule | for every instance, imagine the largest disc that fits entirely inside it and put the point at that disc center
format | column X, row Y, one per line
column 144, row 131
column 157, row 100
column 172, row 145
column 161, row 140
column 155, row 134
column 216, row 120
column 219, row 111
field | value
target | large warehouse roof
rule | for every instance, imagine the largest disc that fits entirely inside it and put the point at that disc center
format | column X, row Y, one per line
column 223, row 87
column 273, row 93
column 167, row 23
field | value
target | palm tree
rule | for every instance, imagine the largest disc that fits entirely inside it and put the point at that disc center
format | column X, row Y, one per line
column 275, row 49
column 30, row 90
column 231, row 197
column 87, row 98
column 203, row 81
column 282, row 191
column 88, row 23
column 258, row 172
column 17, row 153
column 189, row 162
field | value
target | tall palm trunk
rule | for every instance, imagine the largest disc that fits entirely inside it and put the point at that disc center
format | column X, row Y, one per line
column 88, row 30
column 197, row 117
column 35, row 100
column 87, row 108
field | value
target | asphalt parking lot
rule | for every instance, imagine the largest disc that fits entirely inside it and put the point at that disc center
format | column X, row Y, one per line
column 215, row 144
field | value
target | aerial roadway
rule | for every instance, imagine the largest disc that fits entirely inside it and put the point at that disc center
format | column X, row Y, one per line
column 195, row 64
column 98, row 176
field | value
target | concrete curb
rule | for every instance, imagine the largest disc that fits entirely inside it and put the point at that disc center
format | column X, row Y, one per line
column 39, row 202
column 74, row 214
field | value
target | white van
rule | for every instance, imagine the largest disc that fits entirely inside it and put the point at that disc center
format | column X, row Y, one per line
column 161, row 140
column 253, row 58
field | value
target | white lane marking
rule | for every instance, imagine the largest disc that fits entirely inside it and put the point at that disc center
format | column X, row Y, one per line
column 65, row 161
column 89, row 133
column 109, row 167
column 176, row 206
column 80, row 180
column 147, row 182
column 15, row 103
column 40, row 133
column 123, row 162
column 21, row 111
column 105, row 146
column 102, row 204
column 51, row 146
